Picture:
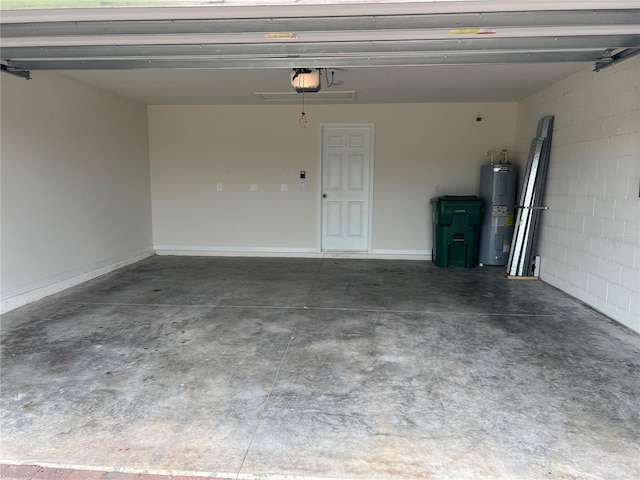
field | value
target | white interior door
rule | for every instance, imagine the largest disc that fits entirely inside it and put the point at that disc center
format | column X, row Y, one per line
column 346, row 170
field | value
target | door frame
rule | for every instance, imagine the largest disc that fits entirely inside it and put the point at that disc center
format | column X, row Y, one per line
column 321, row 127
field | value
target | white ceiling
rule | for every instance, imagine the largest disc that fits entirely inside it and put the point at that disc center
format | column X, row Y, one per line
column 392, row 51
column 441, row 83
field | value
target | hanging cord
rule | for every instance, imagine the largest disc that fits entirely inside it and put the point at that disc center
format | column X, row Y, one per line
column 303, row 116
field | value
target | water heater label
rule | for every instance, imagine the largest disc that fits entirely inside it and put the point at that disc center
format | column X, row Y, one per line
column 499, row 215
column 500, row 210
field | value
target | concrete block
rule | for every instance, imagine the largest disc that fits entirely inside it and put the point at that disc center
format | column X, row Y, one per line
column 578, row 187
column 604, row 207
column 605, row 167
column 564, row 118
column 620, row 145
column 572, row 258
column 629, row 320
column 628, row 166
column 593, row 226
column 561, row 154
column 623, row 253
column 560, row 220
column 599, row 147
column 610, row 271
column 619, row 296
column 597, row 287
column 551, row 235
column 613, row 229
column 580, row 97
column 568, row 136
column 610, row 126
column 607, row 308
column 585, row 205
column 601, row 247
column 588, row 168
column 630, row 277
column 635, row 303
column 582, row 242
column 575, row 223
column 584, row 112
column 631, row 234
column 602, row 106
column 552, row 187
column 545, row 249
column 589, row 263
column 548, row 266
column 579, row 278
column 614, row 82
column 596, row 187
column 586, row 297
column 616, row 187
column 623, row 101
column 567, row 204
column 563, row 274
column 629, row 121
column 628, row 210
column 558, row 253
column 590, row 130
column 580, row 151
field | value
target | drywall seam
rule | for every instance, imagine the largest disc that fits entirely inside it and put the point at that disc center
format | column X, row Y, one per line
column 59, row 283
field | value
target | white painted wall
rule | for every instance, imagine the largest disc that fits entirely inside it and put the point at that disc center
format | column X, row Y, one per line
column 417, row 147
column 590, row 237
column 75, row 185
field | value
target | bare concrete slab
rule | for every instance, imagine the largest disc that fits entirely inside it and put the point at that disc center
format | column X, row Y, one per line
column 320, row 368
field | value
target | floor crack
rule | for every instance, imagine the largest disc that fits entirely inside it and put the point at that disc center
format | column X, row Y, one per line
column 266, row 402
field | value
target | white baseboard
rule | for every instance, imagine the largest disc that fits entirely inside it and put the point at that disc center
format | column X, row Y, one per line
column 188, row 250
column 389, row 253
column 49, row 286
column 200, row 251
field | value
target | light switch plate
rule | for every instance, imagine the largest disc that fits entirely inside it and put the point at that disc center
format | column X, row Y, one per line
column 219, row 187
column 254, row 187
column 284, row 187
column 302, row 187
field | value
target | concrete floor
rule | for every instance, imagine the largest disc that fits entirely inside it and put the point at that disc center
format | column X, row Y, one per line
column 320, row 368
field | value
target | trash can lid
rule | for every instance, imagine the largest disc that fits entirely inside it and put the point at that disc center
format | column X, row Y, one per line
column 456, row 198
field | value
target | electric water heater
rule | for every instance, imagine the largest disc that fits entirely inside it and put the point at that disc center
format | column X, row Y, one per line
column 498, row 192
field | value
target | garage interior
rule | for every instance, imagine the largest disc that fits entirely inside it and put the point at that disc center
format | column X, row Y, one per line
column 172, row 302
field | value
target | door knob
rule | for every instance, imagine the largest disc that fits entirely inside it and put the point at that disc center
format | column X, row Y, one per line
column 324, row 195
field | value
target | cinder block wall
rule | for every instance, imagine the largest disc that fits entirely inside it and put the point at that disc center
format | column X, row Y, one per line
column 590, row 236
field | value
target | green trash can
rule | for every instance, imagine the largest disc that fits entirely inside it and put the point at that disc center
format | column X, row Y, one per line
column 456, row 230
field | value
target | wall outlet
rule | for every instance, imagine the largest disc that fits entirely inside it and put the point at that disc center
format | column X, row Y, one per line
column 284, row 187
column 219, row 187
column 302, row 187
column 254, row 187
